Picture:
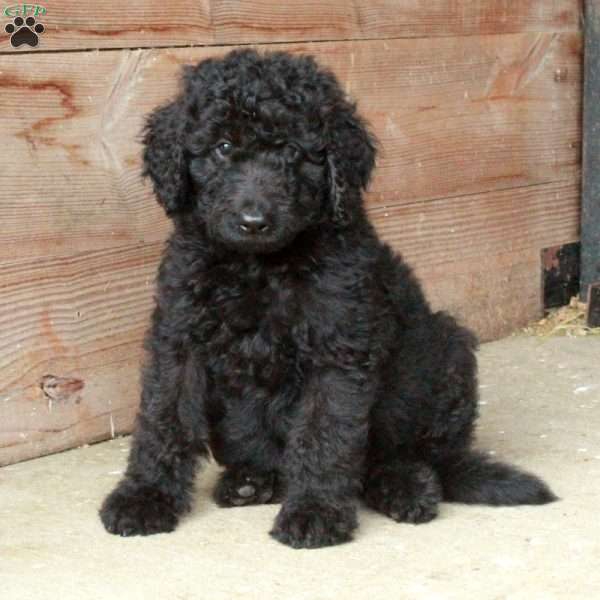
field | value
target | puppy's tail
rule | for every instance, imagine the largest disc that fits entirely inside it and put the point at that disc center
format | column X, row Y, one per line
column 472, row 478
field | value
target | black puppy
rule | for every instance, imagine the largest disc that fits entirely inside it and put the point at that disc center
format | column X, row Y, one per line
column 287, row 338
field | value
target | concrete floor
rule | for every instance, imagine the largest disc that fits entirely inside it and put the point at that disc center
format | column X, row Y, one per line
column 540, row 409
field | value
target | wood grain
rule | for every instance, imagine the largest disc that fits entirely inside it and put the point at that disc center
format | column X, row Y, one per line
column 83, row 317
column 479, row 170
column 32, row 425
column 453, row 116
column 78, row 318
column 479, row 257
column 450, row 231
column 149, row 23
column 265, row 20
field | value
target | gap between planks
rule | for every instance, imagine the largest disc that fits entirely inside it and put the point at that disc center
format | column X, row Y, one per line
column 288, row 42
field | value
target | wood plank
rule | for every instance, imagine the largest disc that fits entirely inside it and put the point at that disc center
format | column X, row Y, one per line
column 59, row 311
column 478, row 255
column 80, row 318
column 70, row 116
column 148, row 23
column 479, row 170
column 455, row 116
column 33, row 426
column 267, row 21
column 462, row 115
column 83, row 317
column 492, row 294
column 450, row 231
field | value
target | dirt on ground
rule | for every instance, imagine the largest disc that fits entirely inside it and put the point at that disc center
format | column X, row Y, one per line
column 567, row 320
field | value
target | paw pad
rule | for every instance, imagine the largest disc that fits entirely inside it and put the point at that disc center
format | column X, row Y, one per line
column 24, row 31
column 241, row 487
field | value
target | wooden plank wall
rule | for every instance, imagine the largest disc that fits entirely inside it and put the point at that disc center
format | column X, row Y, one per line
column 476, row 104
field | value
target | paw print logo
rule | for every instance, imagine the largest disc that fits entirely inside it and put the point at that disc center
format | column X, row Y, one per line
column 24, row 31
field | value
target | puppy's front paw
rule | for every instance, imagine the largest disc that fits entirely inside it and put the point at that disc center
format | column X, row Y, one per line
column 313, row 524
column 138, row 511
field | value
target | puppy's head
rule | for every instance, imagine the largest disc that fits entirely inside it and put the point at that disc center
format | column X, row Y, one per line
column 257, row 148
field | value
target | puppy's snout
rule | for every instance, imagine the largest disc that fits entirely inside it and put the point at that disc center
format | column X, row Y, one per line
column 254, row 223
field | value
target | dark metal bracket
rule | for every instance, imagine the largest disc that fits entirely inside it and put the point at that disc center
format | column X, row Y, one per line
column 560, row 274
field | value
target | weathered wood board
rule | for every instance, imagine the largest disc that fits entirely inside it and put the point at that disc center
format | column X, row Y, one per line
column 71, row 24
column 81, row 318
column 454, row 117
column 480, row 257
column 479, row 169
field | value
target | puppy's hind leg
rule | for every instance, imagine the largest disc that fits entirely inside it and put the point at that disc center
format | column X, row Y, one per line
column 427, row 410
column 442, row 403
column 406, row 491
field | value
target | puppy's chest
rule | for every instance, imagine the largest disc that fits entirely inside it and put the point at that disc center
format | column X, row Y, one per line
column 249, row 332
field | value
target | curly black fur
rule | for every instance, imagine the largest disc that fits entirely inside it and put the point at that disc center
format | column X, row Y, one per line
column 287, row 339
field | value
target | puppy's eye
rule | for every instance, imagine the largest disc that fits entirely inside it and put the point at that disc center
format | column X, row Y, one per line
column 223, row 149
column 291, row 153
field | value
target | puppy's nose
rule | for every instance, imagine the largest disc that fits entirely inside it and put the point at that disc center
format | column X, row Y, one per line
column 254, row 223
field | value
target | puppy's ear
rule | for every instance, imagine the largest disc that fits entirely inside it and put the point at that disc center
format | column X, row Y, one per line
column 164, row 156
column 350, row 158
